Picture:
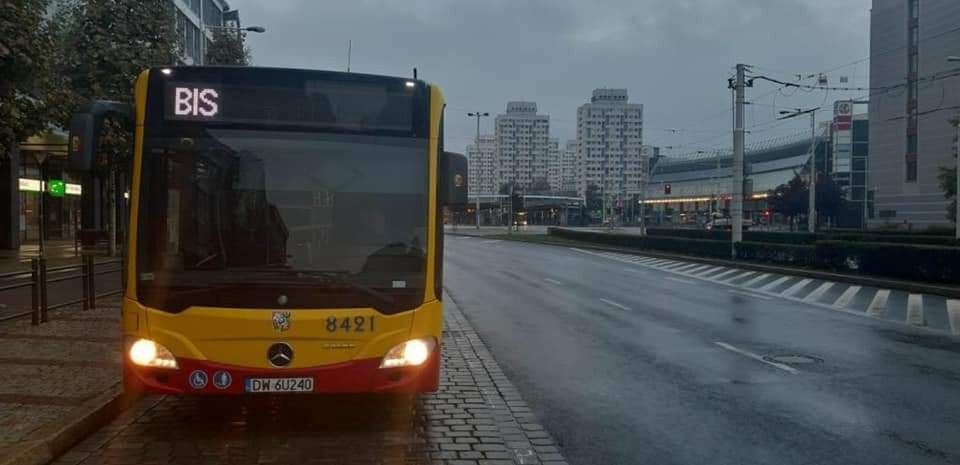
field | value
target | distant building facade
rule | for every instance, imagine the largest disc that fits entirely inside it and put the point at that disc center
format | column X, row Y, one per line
column 610, row 143
column 849, row 136
column 522, row 145
column 568, row 167
column 911, row 135
column 554, row 166
column 194, row 20
column 482, row 166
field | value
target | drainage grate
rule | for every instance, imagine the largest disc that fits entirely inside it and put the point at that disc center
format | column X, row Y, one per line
column 792, row 359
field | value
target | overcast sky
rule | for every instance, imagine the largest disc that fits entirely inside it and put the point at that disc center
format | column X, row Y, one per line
column 674, row 56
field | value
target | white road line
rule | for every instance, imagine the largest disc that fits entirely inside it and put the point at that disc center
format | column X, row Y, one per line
column 697, row 269
column 774, row 283
column 796, row 287
column 953, row 314
column 708, row 270
column 679, row 280
column 675, row 266
column 749, row 294
column 741, row 276
column 846, row 297
column 818, row 292
column 758, row 358
column 756, row 279
column 725, row 273
column 553, row 281
column 620, row 306
column 915, row 310
column 878, row 306
column 660, row 263
column 646, row 260
column 684, row 268
column 707, row 274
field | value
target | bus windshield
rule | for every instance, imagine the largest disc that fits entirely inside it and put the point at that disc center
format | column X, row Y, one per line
column 254, row 219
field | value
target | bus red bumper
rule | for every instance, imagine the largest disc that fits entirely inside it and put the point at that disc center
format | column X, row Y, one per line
column 355, row 376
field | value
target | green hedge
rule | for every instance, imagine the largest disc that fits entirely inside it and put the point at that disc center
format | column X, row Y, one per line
column 807, row 238
column 901, row 261
column 782, row 254
column 705, row 248
column 926, row 263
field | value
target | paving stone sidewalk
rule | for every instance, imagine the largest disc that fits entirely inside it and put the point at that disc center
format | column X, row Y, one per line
column 477, row 418
column 49, row 370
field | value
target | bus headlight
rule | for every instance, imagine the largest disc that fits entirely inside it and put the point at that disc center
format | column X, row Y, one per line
column 147, row 353
column 409, row 354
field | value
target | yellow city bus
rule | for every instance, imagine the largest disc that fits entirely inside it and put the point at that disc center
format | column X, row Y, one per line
column 285, row 230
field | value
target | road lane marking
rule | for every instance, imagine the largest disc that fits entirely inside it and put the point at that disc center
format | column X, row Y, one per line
column 796, row 287
column 697, row 269
column 756, row 279
column 915, row 310
column 712, row 269
column 646, row 260
column 620, row 306
column 749, row 294
column 774, row 283
column 679, row 280
column 675, row 266
column 708, row 274
column 878, row 306
column 685, row 267
column 660, row 263
column 553, row 281
column 953, row 314
column 725, row 273
column 758, row 358
column 818, row 292
column 741, row 276
column 846, row 297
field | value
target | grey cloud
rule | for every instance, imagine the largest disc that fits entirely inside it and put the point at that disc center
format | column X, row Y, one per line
column 673, row 55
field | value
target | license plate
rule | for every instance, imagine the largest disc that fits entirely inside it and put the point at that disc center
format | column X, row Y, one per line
column 279, row 385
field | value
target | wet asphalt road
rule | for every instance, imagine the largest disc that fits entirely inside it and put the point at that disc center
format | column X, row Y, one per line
column 625, row 366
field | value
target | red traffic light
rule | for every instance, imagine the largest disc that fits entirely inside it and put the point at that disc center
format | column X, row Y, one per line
column 766, row 213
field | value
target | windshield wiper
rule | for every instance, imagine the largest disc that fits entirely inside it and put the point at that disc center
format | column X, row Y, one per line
column 340, row 277
column 336, row 277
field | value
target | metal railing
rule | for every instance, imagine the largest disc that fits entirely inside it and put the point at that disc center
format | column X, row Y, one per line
column 38, row 281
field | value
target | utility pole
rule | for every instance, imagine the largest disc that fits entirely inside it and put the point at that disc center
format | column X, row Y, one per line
column 812, row 217
column 736, row 203
column 812, row 200
column 477, row 115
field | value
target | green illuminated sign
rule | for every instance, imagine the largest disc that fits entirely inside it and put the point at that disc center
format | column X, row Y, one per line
column 56, row 187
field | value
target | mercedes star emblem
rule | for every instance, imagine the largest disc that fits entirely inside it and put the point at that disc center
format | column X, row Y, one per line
column 280, row 354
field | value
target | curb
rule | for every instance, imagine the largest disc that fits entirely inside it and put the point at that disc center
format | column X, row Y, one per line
column 951, row 292
column 55, row 439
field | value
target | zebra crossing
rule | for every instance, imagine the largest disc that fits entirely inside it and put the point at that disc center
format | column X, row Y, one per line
column 921, row 310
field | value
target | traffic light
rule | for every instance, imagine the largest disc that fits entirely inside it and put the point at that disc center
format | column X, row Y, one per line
column 516, row 201
column 667, row 188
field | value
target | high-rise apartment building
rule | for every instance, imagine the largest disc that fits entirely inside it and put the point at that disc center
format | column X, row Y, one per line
column 568, row 167
column 609, row 143
column 522, row 144
column 482, row 171
column 916, row 95
column 554, row 165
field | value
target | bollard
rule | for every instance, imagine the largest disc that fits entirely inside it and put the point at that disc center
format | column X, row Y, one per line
column 85, row 278
column 34, row 292
column 92, row 288
column 43, row 290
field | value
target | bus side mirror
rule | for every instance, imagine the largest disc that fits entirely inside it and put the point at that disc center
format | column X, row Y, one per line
column 453, row 179
column 85, row 128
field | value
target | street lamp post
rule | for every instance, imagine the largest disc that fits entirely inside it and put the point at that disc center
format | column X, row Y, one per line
column 477, row 115
column 812, row 208
column 956, row 193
